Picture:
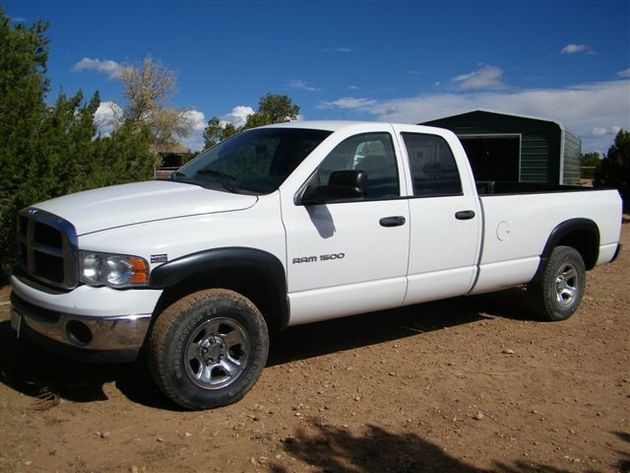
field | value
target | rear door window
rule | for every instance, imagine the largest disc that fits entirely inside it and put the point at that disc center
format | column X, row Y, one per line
column 433, row 167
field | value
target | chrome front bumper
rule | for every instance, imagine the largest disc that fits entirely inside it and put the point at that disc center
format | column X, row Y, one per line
column 125, row 332
column 85, row 319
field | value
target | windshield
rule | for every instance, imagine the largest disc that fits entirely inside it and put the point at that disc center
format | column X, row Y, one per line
column 252, row 162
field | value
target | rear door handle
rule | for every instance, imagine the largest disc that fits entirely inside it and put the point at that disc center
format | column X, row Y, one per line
column 392, row 221
column 465, row 215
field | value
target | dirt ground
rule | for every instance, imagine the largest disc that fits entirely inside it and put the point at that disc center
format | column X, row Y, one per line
column 465, row 385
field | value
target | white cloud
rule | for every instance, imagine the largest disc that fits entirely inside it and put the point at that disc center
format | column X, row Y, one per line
column 612, row 131
column 485, row 78
column 576, row 49
column 301, row 85
column 343, row 50
column 194, row 141
column 582, row 108
column 17, row 19
column 196, row 118
column 106, row 117
column 238, row 115
column 353, row 87
column 625, row 73
column 353, row 103
column 105, row 66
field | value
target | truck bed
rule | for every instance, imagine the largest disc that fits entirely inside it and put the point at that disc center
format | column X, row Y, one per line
column 485, row 188
column 519, row 217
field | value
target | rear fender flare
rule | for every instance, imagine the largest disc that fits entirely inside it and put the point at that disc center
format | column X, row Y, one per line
column 582, row 225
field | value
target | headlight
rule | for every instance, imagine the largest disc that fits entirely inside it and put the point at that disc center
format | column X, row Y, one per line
column 99, row 269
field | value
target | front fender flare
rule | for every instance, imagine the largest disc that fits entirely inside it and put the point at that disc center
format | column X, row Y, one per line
column 256, row 262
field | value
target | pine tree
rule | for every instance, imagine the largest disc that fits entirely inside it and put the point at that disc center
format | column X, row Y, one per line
column 614, row 170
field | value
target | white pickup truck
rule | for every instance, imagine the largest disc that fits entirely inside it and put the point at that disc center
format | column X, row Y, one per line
column 284, row 225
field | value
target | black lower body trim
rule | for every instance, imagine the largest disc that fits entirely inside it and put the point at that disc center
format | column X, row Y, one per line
column 617, row 251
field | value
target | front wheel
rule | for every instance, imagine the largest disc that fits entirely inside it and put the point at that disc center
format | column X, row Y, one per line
column 557, row 293
column 208, row 349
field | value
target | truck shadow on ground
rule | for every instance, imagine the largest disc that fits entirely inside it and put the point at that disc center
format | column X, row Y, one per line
column 623, row 465
column 337, row 450
column 34, row 373
column 302, row 342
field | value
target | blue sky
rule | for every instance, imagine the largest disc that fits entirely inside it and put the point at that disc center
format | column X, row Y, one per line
column 406, row 61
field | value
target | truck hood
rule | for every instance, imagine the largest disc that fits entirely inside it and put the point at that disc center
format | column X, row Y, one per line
column 128, row 204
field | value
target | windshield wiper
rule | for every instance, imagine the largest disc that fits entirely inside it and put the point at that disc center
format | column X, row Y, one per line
column 183, row 178
column 177, row 174
column 223, row 178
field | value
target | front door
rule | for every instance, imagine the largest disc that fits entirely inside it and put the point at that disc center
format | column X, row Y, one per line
column 348, row 257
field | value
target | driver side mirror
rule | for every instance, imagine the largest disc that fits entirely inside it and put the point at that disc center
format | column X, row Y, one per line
column 343, row 186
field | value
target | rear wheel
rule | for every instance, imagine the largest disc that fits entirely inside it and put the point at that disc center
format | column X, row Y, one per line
column 557, row 294
column 208, row 349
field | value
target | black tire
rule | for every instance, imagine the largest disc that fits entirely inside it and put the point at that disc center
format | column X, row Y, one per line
column 557, row 293
column 208, row 349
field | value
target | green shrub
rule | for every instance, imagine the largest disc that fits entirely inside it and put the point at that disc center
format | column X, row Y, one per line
column 48, row 151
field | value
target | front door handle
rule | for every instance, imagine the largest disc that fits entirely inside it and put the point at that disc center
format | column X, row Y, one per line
column 392, row 221
column 465, row 215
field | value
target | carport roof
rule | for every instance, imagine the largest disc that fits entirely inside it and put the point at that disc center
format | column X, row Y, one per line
column 494, row 112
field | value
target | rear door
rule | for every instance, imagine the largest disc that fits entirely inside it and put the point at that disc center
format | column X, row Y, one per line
column 445, row 216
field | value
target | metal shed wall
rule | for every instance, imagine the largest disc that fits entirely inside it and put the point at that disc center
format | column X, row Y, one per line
column 572, row 155
column 541, row 141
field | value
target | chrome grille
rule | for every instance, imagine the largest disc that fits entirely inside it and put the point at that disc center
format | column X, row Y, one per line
column 47, row 248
